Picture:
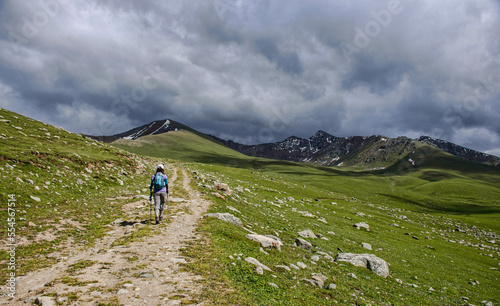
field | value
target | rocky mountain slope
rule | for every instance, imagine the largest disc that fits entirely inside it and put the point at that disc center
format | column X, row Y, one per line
column 322, row 148
column 374, row 151
column 153, row 128
column 460, row 151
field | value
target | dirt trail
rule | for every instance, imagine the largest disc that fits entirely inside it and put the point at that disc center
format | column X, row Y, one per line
column 144, row 272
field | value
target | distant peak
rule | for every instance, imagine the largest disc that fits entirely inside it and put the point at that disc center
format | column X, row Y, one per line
column 321, row 133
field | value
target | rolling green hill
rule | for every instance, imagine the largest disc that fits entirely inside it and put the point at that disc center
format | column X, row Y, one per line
column 433, row 217
column 60, row 182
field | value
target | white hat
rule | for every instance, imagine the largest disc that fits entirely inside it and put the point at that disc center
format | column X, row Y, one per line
column 160, row 166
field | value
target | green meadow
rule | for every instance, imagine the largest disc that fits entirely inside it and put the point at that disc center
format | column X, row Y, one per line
column 434, row 222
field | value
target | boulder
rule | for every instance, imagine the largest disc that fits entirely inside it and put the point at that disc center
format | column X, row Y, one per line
column 265, row 241
column 303, row 244
column 370, row 261
column 307, row 234
column 319, row 279
column 224, row 188
column 366, row 246
column 257, row 264
column 332, row 286
column 361, row 225
column 284, row 267
column 301, row 264
column 227, row 217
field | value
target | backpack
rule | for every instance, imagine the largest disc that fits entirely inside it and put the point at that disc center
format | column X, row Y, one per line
column 159, row 181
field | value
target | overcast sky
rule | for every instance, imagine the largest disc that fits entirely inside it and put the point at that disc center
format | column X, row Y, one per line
column 258, row 71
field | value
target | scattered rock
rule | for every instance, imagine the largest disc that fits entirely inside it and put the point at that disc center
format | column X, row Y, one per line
column 332, row 286
column 224, row 188
column 326, row 256
column 366, row 246
column 307, row 234
column 31, row 224
column 361, row 225
column 79, row 181
column 122, row 291
column 322, row 220
column 301, row 265
column 259, row 270
column 265, row 241
column 218, row 195
column 294, row 266
column 36, row 199
column 370, row 261
column 303, row 244
column 284, row 267
column 233, row 209
column 227, row 217
column 274, row 285
column 120, row 182
column 352, row 275
column 146, row 275
column 62, row 299
column 45, row 301
column 318, row 279
column 315, row 258
column 18, row 179
column 256, row 263
column 30, row 182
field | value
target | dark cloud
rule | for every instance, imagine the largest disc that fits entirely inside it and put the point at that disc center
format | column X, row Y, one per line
column 378, row 73
column 257, row 71
column 287, row 62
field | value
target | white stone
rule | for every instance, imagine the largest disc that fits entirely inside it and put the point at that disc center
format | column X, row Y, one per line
column 370, row 261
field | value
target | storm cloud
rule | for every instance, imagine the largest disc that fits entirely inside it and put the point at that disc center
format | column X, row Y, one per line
column 257, row 71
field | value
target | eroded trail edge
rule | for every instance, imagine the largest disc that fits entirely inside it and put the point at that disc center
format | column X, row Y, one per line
column 125, row 268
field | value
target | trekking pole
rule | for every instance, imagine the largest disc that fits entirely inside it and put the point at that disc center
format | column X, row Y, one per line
column 150, row 204
column 168, row 210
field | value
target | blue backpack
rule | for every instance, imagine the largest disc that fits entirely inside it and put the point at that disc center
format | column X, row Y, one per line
column 159, row 181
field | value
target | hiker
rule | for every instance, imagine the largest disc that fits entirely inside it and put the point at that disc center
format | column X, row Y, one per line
column 159, row 190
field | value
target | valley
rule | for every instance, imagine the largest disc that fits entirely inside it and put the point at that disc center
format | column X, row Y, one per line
column 432, row 217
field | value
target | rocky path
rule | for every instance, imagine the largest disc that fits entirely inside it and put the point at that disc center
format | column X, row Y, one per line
column 144, row 271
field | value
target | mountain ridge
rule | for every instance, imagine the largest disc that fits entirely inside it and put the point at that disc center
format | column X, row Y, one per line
column 322, row 148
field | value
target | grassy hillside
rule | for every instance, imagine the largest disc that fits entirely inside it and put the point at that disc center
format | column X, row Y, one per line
column 66, row 189
column 433, row 217
column 184, row 145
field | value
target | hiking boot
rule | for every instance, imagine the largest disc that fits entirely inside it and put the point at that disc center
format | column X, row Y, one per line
column 161, row 218
column 157, row 221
